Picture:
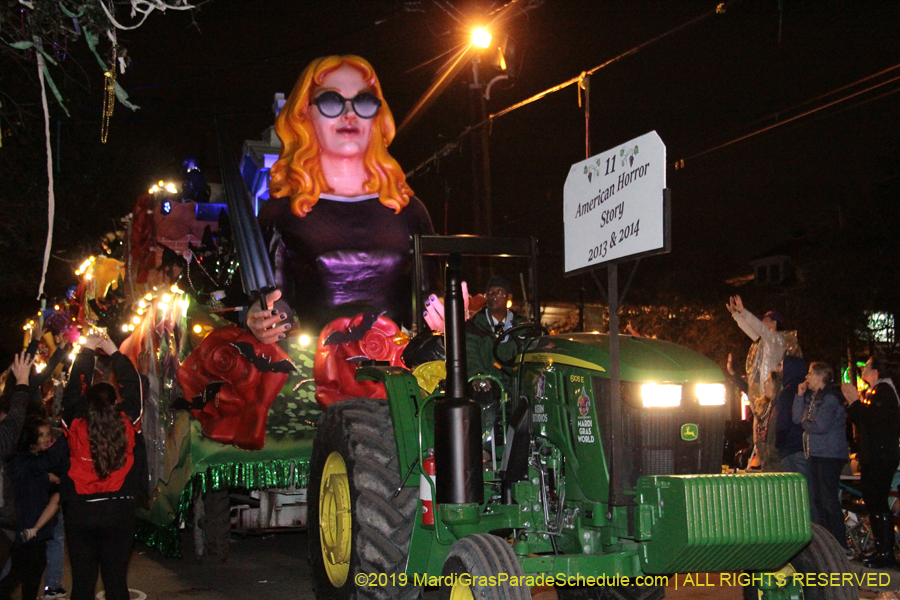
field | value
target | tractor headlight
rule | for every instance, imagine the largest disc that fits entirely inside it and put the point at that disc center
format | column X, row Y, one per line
column 710, row 394
column 657, row 395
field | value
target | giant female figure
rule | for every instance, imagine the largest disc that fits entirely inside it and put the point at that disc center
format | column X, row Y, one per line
column 341, row 213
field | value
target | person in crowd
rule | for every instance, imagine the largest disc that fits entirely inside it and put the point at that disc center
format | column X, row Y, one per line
column 13, row 402
column 56, row 545
column 789, row 435
column 819, row 409
column 877, row 418
column 341, row 215
column 99, row 487
column 764, row 414
column 53, row 573
column 37, row 502
column 763, row 409
column 770, row 343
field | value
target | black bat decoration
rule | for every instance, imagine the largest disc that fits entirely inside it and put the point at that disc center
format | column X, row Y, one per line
column 197, row 402
column 353, row 334
column 261, row 362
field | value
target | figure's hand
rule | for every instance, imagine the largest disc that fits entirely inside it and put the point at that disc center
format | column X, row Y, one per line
column 738, row 304
column 28, row 534
column 730, row 367
column 730, row 306
column 54, row 479
column 143, row 365
column 268, row 326
column 481, row 385
column 108, row 346
column 801, row 389
column 92, row 341
column 630, row 330
column 850, row 392
column 434, row 313
column 21, row 368
column 29, row 335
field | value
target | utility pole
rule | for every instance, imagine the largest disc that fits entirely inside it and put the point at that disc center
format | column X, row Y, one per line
column 481, row 158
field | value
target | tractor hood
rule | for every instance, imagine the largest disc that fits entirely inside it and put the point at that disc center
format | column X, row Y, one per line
column 640, row 359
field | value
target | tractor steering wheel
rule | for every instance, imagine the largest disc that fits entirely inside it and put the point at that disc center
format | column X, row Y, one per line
column 519, row 334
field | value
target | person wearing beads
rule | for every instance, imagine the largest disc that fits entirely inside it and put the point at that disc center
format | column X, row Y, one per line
column 877, row 418
column 102, row 479
column 819, row 409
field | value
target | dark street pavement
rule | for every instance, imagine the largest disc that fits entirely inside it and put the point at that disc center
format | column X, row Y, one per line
column 274, row 567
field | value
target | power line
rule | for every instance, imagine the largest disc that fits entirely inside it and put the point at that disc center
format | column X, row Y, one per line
column 450, row 146
column 679, row 164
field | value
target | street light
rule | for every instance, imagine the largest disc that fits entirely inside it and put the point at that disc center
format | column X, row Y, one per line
column 481, row 37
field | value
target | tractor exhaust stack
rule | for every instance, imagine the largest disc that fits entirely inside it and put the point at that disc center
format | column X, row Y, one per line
column 457, row 418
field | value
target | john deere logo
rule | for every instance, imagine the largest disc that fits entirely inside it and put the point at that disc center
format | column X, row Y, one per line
column 689, row 432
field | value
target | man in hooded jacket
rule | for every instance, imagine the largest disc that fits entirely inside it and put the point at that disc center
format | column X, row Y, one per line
column 789, row 435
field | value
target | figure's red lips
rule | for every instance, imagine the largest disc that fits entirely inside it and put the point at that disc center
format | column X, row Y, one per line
column 348, row 129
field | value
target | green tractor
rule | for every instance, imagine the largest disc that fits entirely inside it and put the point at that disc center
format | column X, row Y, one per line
column 550, row 503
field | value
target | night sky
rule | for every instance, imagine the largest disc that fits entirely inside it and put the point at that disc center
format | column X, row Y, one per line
column 703, row 86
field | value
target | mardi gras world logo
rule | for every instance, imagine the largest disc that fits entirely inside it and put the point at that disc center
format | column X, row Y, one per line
column 584, row 403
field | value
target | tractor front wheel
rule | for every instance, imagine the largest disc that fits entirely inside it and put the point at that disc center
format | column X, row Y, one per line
column 820, row 561
column 472, row 569
column 358, row 532
column 212, row 526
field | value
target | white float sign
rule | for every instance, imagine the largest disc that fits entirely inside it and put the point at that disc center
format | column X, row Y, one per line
column 613, row 204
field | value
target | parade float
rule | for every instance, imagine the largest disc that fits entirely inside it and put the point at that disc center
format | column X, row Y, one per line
column 600, row 477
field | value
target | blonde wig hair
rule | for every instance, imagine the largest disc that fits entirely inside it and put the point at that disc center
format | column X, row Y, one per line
column 298, row 171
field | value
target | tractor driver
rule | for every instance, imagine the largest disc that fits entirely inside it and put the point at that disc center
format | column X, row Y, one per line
column 482, row 331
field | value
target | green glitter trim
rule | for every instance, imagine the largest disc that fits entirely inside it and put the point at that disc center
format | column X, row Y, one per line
column 250, row 476
column 165, row 539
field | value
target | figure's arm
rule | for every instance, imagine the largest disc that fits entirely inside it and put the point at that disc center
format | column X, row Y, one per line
column 80, row 377
column 477, row 359
column 46, row 515
column 58, row 356
column 269, row 324
column 128, row 380
column 11, row 426
column 798, row 407
column 749, row 324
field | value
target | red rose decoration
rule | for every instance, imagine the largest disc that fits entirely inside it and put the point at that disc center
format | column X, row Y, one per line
column 237, row 415
column 335, row 365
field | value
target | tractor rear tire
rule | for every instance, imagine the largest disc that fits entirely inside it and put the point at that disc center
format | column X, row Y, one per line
column 822, row 555
column 482, row 556
column 357, row 530
column 212, row 526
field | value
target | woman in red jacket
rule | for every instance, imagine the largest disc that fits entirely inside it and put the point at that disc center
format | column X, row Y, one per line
column 99, row 488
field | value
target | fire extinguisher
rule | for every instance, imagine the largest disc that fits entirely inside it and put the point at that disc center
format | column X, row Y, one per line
column 425, row 488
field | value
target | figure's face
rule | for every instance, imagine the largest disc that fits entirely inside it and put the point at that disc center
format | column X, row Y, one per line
column 346, row 136
column 815, row 381
column 769, row 387
column 44, row 440
column 770, row 324
column 496, row 298
column 869, row 374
